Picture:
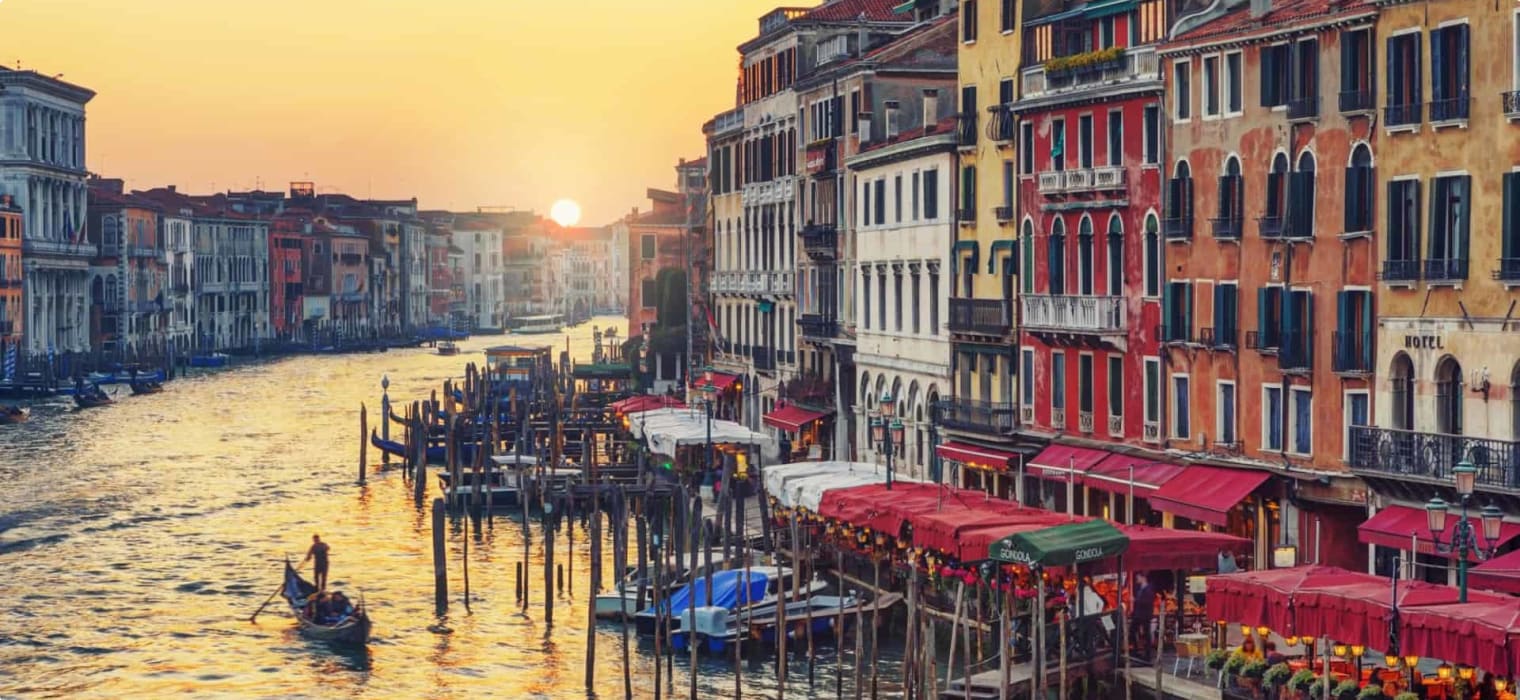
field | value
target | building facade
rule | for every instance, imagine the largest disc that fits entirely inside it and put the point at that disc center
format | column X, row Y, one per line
column 481, row 243
column 12, row 274
column 176, row 229
column 129, row 277
column 42, row 168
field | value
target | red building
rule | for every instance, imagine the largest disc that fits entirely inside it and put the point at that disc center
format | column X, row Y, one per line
column 287, row 274
column 445, row 279
column 11, row 309
column 1088, row 187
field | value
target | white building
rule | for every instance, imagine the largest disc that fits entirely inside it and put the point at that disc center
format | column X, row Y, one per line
column 903, row 227
column 414, row 276
column 175, row 231
column 481, row 243
column 42, row 167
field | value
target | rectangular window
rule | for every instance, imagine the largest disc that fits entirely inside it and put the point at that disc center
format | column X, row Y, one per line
column 1177, row 312
column 1360, row 188
column 1509, row 260
column 915, row 190
column 1354, row 330
column 1403, row 230
column 880, row 215
column 1302, row 421
column 1225, row 414
column 1057, row 382
column 1404, row 82
column 1304, row 100
column 1009, row 18
column 931, row 194
column 1152, row 390
column 1232, row 85
column 1008, row 184
column 1448, row 73
column 1106, row 32
column 1269, row 316
column 1026, row 147
column 1116, row 138
column 1356, row 70
column 1182, row 428
column 865, row 297
column 897, row 301
column 1085, row 140
column 897, row 202
column 1152, row 154
column 1226, row 314
column 1085, row 383
column 1058, row 144
column 1271, row 418
column 917, row 305
column 933, row 304
column 1276, row 66
column 1182, row 97
column 1026, row 385
column 968, row 20
column 865, row 203
column 968, row 192
column 647, row 294
column 646, row 247
column 881, row 300
column 1358, row 410
column 1210, row 86
column 1450, row 204
column 1116, row 394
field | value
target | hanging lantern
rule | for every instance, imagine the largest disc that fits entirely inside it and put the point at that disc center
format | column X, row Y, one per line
column 1263, row 631
column 1444, row 672
column 1391, row 661
column 1291, row 641
column 1411, row 660
column 1338, row 650
column 1357, row 650
column 1501, row 684
column 1465, row 672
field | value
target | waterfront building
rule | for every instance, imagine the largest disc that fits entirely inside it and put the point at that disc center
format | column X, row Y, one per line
column 659, row 249
column 902, row 241
column 728, row 353
column 42, row 169
column 12, row 315
column 524, row 273
column 1266, row 269
column 445, row 288
column 1447, row 356
column 414, row 286
column 855, row 78
column 344, row 275
column 480, row 241
column 978, row 417
column 175, row 232
column 128, row 278
column 287, row 268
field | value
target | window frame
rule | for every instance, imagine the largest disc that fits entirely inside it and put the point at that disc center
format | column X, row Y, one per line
column 1232, row 87
column 1057, row 382
column 1268, row 420
column 1219, row 413
column 1181, row 90
column 1293, row 422
column 1151, row 412
column 1113, row 379
column 1026, row 386
column 1346, row 424
column 1180, row 381
column 1209, row 78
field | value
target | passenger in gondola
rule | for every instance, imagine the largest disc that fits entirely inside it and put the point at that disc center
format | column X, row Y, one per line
column 341, row 608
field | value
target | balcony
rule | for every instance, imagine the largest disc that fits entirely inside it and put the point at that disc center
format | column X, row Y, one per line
column 1073, row 314
column 1073, row 180
column 10, row 282
column 965, row 130
column 1169, row 333
column 139, row 251
column 1058, row 418
column 1511, row 102
column 1105, row 67
column 1396, row 115
column 1003, row 214
column 85, row 249
column 1108, row 177
column 1270, row 227
column 764, row 359
column 1508, row 271
column 809, row 390
column 1219, row 338
column 1051, row 182
column 1357, row 101
column 1265, row 342
column 1352, row 353
column 779, row 283
column 1303, row 108
column 1454, row 109
column 1226, row 229
column 1079, row 180
column 1431, row 456
column 985, row 417
column 818, row 326
column 1000, row 128
column 1115, row 425
column 1445, row 270
column 981, row 316
column 351, row 258
column 967, row 215
column 1400, row 271
column 1296, row 351
column 1177, row 228
column 1151, row 431
column 1085, row 421
column 821, row 241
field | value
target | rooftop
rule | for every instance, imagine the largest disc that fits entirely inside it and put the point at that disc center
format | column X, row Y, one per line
column 1284, row 15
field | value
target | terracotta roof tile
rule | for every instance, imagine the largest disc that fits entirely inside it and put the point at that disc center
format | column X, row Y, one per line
column 850, row 10
column 1284, row 15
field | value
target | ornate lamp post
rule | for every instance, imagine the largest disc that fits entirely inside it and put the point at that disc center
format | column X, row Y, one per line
column 887, row 430
column 1464, row 540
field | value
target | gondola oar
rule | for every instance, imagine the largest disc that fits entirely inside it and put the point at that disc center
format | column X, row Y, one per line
column 276, row 592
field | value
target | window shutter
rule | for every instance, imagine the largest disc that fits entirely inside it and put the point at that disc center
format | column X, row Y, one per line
column 1461, row 88
column 1412, row 194
column 1166, row 311
column 1353, row 197
column 1310, row 71
column 1306, row 329
column 1239, row 208
column 1173, row 197
column 1348, row 62
column 1342, row 316
column 1187, row 198
column 1366, row 329
column 1459, row 249
column 1438, row 87
column 1509, row 231
column 1218, row 311
column 1263, row 322
column 1435, row 191
column 1224, row 196
column 1268, row 76
column 1417, row 92
column 1187, row 318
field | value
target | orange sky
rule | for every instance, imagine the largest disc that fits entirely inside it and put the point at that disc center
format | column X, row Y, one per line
column 458, row 102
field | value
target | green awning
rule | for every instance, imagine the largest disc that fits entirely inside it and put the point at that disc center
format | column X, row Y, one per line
column 956, row 251
column 605, row 371
column 905, row 7
column 1105, row 8
column 1062, row 545
column 992, row 253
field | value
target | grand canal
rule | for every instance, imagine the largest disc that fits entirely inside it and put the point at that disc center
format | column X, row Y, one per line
column 136, row 539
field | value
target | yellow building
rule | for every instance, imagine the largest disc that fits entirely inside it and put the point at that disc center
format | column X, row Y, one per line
column 978, row 423
column 1448, row 339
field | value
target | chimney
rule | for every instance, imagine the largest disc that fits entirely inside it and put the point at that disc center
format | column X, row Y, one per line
column 862, row 37
column 1260, row 7
column 172, row 189
column 864, row 130
column 931, row 109
column 892, row 110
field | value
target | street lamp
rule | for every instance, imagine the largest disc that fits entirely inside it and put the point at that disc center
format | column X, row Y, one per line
column 887, row 430
column 1464, row 540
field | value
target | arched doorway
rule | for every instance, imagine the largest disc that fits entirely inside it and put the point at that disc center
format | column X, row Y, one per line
column 1401, row 378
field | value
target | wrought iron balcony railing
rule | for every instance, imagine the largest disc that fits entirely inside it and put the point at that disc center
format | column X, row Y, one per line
column 820, row 241
column 1270, row 227
column 986, row 417
column 1177, row 228
column 1406, row 453
column 1402, row 114
column 1295, row 351
column 818, row 326
column 1446, row 269
column 983, row 316
column 966, row 129
column 1357, row 100
column 1508, row 270
column 1306, row 107
column 1511, row 102
column 1400, row 271
column 1226, row 229
column 1450, row 109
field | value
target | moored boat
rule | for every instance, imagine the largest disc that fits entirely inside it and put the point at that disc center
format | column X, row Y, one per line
column 140, row 388
column 350, row 626
column 448, row 347
column 91, row 397
column 10, row 415
column 214, row 359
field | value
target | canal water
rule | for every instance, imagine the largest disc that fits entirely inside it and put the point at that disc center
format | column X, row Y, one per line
column 136, row 540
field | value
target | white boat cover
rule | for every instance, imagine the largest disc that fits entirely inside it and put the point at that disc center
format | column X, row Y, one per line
column 804, row 483
column 666, row 434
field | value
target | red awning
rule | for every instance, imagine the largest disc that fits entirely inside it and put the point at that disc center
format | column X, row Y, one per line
column 876, row 507
column 792, row 417
column 974, row 543
column 721, row 381
column 1393, row 525
column 1112, row 474
column 1057, row 460
column 944, row 530
column 1152, row 548
column 1359, row 610
column 1206, row 494
column 1472, row 633
column 1265, row 597
column 975, row 455
column 1501, row 574
column 636, row 404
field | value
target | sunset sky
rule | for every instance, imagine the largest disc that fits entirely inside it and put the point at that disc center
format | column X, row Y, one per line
column 458, row 102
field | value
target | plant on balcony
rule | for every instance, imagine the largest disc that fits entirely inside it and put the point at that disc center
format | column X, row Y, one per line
column 1345, row 690
column 1084, row 61
column 1277, row 675
column 1301, row 680
column 1373, row 691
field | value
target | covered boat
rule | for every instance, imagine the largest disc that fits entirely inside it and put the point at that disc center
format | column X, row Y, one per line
column 351, row 626
column 91, row 397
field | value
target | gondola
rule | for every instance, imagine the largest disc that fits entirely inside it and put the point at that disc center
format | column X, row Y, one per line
column 447, row 348
column 10, row 415
column 91, row 398
column 352, row 628
column 141, row 388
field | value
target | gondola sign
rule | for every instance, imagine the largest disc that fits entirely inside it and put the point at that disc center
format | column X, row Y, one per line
column 1061, row 545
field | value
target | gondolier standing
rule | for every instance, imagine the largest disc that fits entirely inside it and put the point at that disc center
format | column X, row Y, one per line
column 317, row 554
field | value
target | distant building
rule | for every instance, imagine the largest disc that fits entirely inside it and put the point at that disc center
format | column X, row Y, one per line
column 481, row 244
column 12, row 316
column 287, row 274
column 42, row 167
column 176, row 235
column 129, row 278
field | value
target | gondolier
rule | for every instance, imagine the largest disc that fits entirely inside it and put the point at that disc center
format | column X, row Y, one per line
column 317, row 554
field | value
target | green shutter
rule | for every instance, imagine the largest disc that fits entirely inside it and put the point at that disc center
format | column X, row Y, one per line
column 1353, row 186
column 1306, row 330
column 1366, row 330
column 1166, row 311
column 1509, row 216
column 1187, row 319
column 1461, row 251
column 1218, row 312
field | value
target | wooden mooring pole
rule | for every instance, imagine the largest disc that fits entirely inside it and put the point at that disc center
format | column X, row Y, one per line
column 363, row 440
column 440, row 562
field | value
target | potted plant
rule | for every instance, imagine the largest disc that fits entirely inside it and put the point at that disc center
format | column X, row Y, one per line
column 1276, row 676
column 1373, row 691
column 1215, row 659
column 1300, row 682
column 1251, row 673
column 1346, row 690
column 1406, row 695
column 1233, row 665
column 1317, row 688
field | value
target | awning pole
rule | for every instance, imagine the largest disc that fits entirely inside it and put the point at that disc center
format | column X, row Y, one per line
column 1071, row 497
column 1018, row 486
column 1129, row 506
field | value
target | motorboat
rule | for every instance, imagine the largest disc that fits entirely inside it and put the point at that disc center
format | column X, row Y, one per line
column 530, row 325
column 623, row 600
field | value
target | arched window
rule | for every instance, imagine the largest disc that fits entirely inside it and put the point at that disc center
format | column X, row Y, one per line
column 1449, row 396
column 1057, row 255
column 1115, row 249
column 1271, row 224
column 1085, row 255
column 1152, row 256
column 1026, row 271
column 1401, row 377
column 1301, row 198
column 866, row 399
column 1179, row 203
column 1231, row 200
column 1361, row 188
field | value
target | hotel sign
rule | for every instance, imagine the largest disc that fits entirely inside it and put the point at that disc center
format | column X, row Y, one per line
column 1424, row 342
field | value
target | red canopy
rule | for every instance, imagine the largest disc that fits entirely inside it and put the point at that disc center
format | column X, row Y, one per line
column 1112, row 475
column 1393, row 525
column 1358, row 610
column 1057, row 460
column 1473, row 633
column 646, row 402
column 974, row 543
column 1265, row 597
column 1206, row 494
column 1498, row 574
column 792, row 417
column 881, row 510
column 720, row 381
column 975, row 455
column 946, row 530
column 1159, row 548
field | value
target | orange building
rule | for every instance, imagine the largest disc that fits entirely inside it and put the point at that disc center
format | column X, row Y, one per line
column 11, row 310
column 654, row 244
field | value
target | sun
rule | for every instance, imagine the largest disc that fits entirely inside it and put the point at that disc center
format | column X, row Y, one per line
column 565, row 212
